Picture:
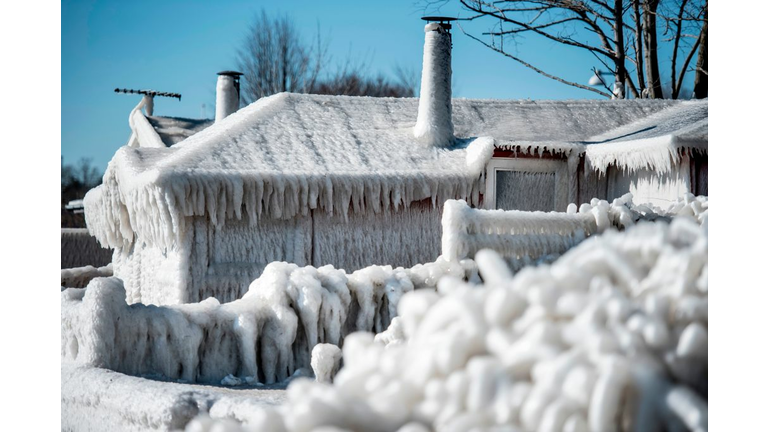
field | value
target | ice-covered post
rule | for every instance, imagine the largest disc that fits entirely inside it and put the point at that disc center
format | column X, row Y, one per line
column 149, row 104
column 434, row 126
column 227, row 94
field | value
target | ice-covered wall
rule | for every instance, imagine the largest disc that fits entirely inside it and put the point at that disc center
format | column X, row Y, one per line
column 265, row 336
column 222, row 262
column 403, row 238
column 151, row 276
column 612, row 336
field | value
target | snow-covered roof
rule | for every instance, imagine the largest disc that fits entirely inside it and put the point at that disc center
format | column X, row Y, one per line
column 633, row 134
column 173, row 130
column 289, row 153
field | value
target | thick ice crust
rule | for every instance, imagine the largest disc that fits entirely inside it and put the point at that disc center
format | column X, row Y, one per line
column 266, row 336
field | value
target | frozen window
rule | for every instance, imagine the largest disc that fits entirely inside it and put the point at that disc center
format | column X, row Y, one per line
column 530, row 191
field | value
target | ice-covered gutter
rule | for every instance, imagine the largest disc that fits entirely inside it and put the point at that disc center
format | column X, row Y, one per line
column 658, row 154
column 142, row 133
column 655, row 142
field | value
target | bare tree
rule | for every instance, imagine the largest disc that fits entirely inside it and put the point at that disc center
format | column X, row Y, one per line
column 76, row 180
column 274, row 59
column 686, row 25
column 355, row 84
column 617, row 33
column 701, row 80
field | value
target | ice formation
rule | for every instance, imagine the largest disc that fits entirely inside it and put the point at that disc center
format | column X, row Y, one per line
column 523, row 237
column 326, row 360
column 434, row 126
column 264, row 337
column 212, row 174
column 142, row 132
column 654, row 139
column 612, row 336
column 294, row 173
column 288, row 154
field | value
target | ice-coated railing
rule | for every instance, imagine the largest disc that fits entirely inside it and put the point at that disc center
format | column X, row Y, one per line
column 514, row 234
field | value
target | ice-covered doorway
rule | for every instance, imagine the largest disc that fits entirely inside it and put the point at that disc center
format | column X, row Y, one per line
column 526, row 184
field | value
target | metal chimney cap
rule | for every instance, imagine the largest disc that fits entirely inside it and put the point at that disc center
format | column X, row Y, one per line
column 230, row 73
column 439, row 18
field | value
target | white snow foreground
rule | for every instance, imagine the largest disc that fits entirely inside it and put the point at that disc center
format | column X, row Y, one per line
column 94, row 399
column 523, row 237
column 612, row 336
column 266, row 336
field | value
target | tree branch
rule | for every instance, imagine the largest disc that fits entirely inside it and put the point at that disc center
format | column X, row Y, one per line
column 564, row 41
column 530, row 66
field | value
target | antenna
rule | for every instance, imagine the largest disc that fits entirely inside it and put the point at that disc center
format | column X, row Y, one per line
column 151, row 93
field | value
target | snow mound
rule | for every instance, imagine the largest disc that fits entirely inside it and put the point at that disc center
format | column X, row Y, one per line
column 612, row 336
column 266, row 336
column 325, row 361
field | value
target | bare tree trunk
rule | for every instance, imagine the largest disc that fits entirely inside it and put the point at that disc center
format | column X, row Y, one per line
column 701, row 82
column 678, row 23
column 621, row 77
column 639, row 45
column 651, row 53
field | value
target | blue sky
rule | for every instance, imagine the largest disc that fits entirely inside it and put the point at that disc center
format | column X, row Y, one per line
column 178, row 46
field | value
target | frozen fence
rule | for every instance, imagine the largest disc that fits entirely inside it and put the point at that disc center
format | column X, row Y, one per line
column 265, row 337
column 523, row 237
column 515, row 235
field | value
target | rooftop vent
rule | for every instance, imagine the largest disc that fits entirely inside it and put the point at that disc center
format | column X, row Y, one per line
column 434, row 126
column 227, row 94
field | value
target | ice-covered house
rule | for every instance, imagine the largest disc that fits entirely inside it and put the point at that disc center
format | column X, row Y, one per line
column 354, row 181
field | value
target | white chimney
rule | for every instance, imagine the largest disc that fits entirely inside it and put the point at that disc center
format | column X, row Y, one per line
column 434, row 126
column 227, row 94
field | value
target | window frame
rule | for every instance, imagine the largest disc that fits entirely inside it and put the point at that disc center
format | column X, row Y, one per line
column 532, row 165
